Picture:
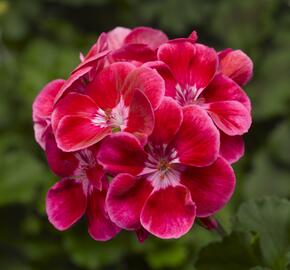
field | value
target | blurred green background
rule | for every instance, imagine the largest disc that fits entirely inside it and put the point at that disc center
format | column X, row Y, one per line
column 41, row 39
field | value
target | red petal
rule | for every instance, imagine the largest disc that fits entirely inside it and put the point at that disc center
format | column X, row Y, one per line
column 105, row 88
column 224, row 89
column 141, row 115
column 100, row 227
column 61, row 163
column 168, row 119
column 168, row 213
column 147, row 81
column 122, row 152
column 40, row 129
column 210, row 187
column 65, row 203
column 193, row 35
column 146, row 35
column 125, row 199
column 230, row 116
column 43, row 104
column 192, row 64
column 75, row 133
column 116, row 37
column 73, row 104
column 95, row 175
column 197, row 142
column 232, row 147
column 236, row 65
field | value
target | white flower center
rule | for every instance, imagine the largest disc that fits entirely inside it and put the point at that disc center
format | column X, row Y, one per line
column 188, row 95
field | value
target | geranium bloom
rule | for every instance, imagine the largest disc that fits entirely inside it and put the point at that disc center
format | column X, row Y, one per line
column 176, row 177
column 120, row 98
column 81, row 191
column 191, row 75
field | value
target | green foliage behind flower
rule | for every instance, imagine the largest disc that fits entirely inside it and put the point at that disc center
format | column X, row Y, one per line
column 40, row 40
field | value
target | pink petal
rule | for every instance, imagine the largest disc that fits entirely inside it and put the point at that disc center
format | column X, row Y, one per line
column 192, row 64
column 169, row 212
column 40, row 129
column 61, row 163
column 43, row 104
column 141, row 115
column 236, row 65
column 210, row 187
column 65, row 203
column 168, row 119
column 100, row 46
column 105, row 88
column 116, row 37
column 146, row 35
column 75, row 133
column 122, row 153
column 232, row 147
column 230, row 116
column 100, row 227
column 224, row 89
column 147, row 81
column 197, row 141
column 193, row 35
column 73, row 104
column 95, row 175
column 125, row 199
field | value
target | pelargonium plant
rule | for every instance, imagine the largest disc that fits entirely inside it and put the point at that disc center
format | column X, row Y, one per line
column 143, row 133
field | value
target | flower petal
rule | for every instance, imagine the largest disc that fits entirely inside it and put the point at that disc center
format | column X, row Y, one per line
column 40, row 129
column 169, row 212
column 73, row 104
column 192, row 64
column 168, row 119
column 116, row 37
column 75, row 133
column 232, row 147
column 197, row 141
column 146, row 35
column 125, row 200
column 61, row 163
column 141, row 115
column 147, row 81
column 223, row 88
column 105, row 88
column 210, row 187
column 65, row 203
column 122, row 153
column 43, row 104
column 230, row 116
column 236, row 65
column 100, row 227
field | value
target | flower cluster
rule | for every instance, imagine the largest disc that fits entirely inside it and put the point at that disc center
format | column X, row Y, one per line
column 143, row 133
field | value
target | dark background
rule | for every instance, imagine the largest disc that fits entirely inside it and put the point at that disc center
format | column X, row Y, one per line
column 41, row 39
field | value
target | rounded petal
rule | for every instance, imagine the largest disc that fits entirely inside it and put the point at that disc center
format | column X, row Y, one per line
column 61, row 163
column 116, row 37
column 125, row 200
column 122, row 153
column 223, row 88
column 197, row 141
column 75, row 133
column 147, row 81
column 100, row 227
column 169, row 212
column 43, row 104
column 232, row 147
column 40, row 130
column 192, row 64
column 146, row 35
column 105, row 88
column 168, row 119
column 73, row 104
column 236, row 65
column 141, row 115
column 230, row 116
column 210, row 187
column 65, row 203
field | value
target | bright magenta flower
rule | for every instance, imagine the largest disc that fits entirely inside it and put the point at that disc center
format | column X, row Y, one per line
column 176, row 177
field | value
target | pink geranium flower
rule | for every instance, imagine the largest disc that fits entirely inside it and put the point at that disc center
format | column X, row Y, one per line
column 191, row 75
column 120, row 98
column 176, row 177
column 81, row 191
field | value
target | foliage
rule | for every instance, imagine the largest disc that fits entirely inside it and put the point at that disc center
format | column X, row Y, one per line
column 41, row 39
